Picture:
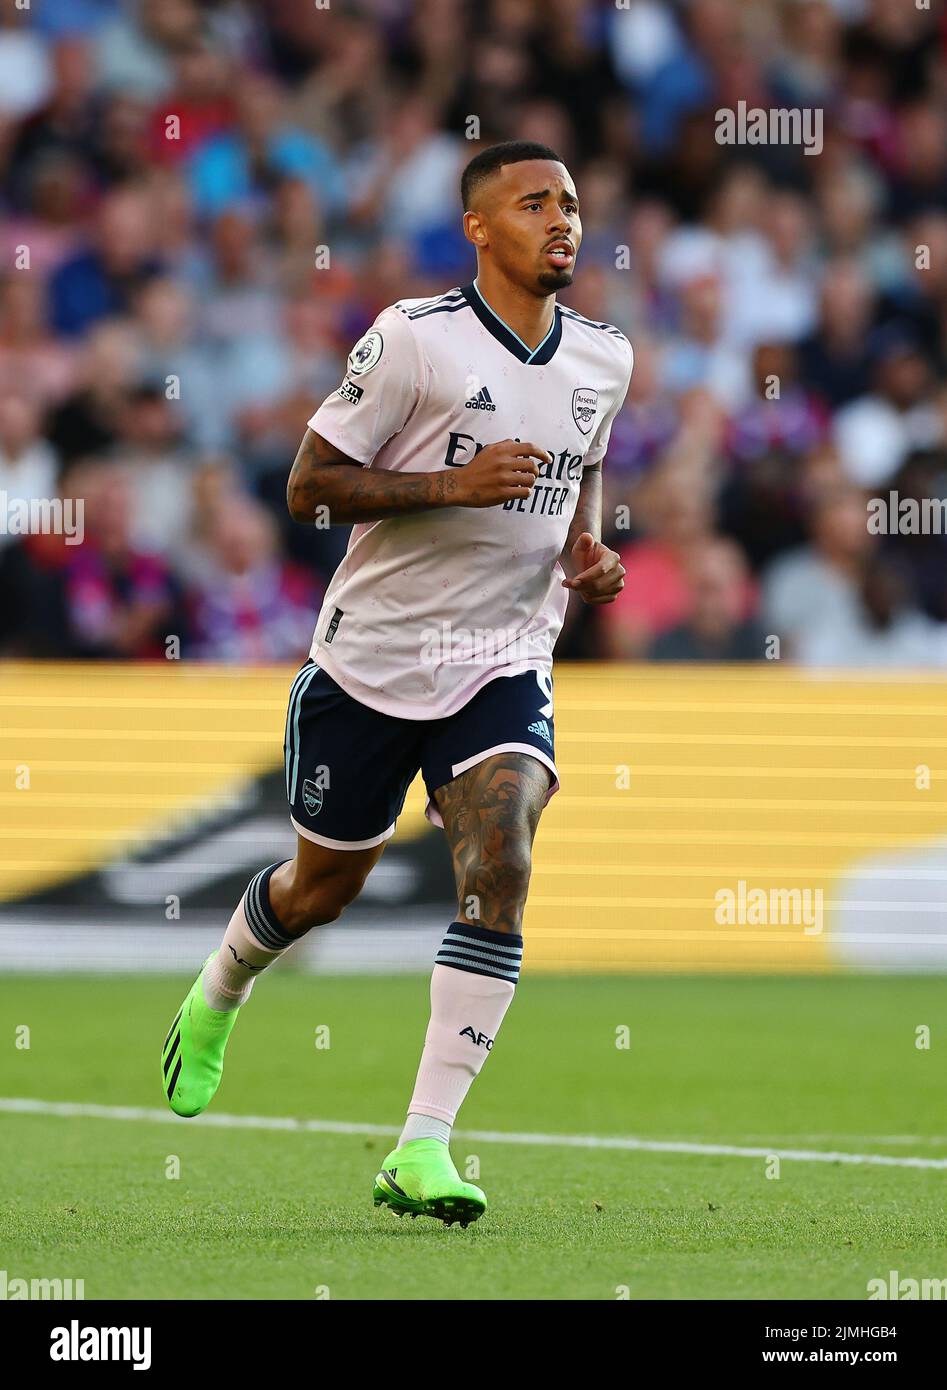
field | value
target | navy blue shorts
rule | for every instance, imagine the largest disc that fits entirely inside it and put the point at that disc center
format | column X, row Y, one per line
column 349, row 767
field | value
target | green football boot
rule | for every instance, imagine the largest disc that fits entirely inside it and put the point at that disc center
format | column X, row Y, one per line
column 420, row 1178
column 192, row 1059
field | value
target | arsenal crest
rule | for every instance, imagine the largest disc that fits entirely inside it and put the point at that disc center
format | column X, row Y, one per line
column 584, row 406
column 312, row 797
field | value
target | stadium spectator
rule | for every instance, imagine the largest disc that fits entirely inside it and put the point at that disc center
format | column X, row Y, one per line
column 27, row 460
column 239, row 166
column 834, row 360
column 198, row 107
column 99, row 282
column 247, row 604
column 720, row 627
column 136, row 48
column 919, row 548
column 875, row 433
column 882, row 628
column 25, row 68
column 121, row 602
column 159, row 475
column 32, row 359
column 699, row 353
column 781, row 416
column 818, row 584
column 675, row 511
column 61, row 131
column 87, row 422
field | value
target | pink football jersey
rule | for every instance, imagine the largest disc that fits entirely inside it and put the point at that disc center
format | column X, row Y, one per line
column 425, row 609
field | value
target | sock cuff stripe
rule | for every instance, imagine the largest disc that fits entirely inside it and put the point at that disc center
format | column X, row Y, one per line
column 483, row 954
column 480, row 951
column 251, row 907
column 259, row 928
column 260, row 916
column 500, row 940
column 479, row 964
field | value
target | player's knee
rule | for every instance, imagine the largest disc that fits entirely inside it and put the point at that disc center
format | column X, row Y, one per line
column 315, row 902
column 492, row 889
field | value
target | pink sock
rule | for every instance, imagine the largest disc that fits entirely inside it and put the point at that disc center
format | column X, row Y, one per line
column 471, row 989
column 229, row 974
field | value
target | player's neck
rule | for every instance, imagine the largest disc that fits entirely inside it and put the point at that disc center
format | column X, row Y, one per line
column 529, row 317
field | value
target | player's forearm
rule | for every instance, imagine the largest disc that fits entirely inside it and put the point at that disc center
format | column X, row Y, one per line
column 588, row 516
column 323, row 477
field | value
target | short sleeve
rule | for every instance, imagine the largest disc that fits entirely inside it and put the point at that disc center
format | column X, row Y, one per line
column 601, row 437
column 384, row 382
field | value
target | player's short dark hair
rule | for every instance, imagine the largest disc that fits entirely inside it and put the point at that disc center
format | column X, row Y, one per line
column 488, row 162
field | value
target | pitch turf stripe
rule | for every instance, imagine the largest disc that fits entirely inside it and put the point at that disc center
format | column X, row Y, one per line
column 22, row 1105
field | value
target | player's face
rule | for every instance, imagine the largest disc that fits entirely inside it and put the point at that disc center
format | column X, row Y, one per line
column 533, row 225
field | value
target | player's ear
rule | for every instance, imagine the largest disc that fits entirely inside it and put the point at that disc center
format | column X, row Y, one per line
column 474, row 230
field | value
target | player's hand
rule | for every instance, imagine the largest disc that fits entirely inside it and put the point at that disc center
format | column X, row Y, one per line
column 601, row 576
column 500, row 473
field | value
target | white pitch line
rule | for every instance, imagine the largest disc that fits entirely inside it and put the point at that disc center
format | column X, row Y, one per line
column 15, row 1105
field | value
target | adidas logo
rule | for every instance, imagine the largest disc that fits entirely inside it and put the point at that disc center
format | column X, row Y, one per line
column 541, row 728
column 481, row 401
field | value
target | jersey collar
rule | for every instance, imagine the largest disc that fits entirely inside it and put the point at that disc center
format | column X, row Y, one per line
column 532, row 357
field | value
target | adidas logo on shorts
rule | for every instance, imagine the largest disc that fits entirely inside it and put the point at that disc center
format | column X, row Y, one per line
column 542, row 728
column 481, row 401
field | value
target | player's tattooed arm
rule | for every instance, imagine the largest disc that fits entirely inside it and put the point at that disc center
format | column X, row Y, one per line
column 322, row 476
column 593, row 570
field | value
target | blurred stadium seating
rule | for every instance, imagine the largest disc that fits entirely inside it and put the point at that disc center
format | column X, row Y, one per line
column 216, row 198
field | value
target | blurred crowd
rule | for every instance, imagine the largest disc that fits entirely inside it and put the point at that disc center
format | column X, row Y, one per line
column 206, row 202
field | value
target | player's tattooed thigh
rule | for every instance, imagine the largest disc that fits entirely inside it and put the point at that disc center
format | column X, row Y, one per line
column 490, row 814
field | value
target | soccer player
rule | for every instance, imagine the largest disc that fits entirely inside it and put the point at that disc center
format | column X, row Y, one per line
column 466, row 445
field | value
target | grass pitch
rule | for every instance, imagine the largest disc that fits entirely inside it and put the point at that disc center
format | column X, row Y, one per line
column 822, row 1064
